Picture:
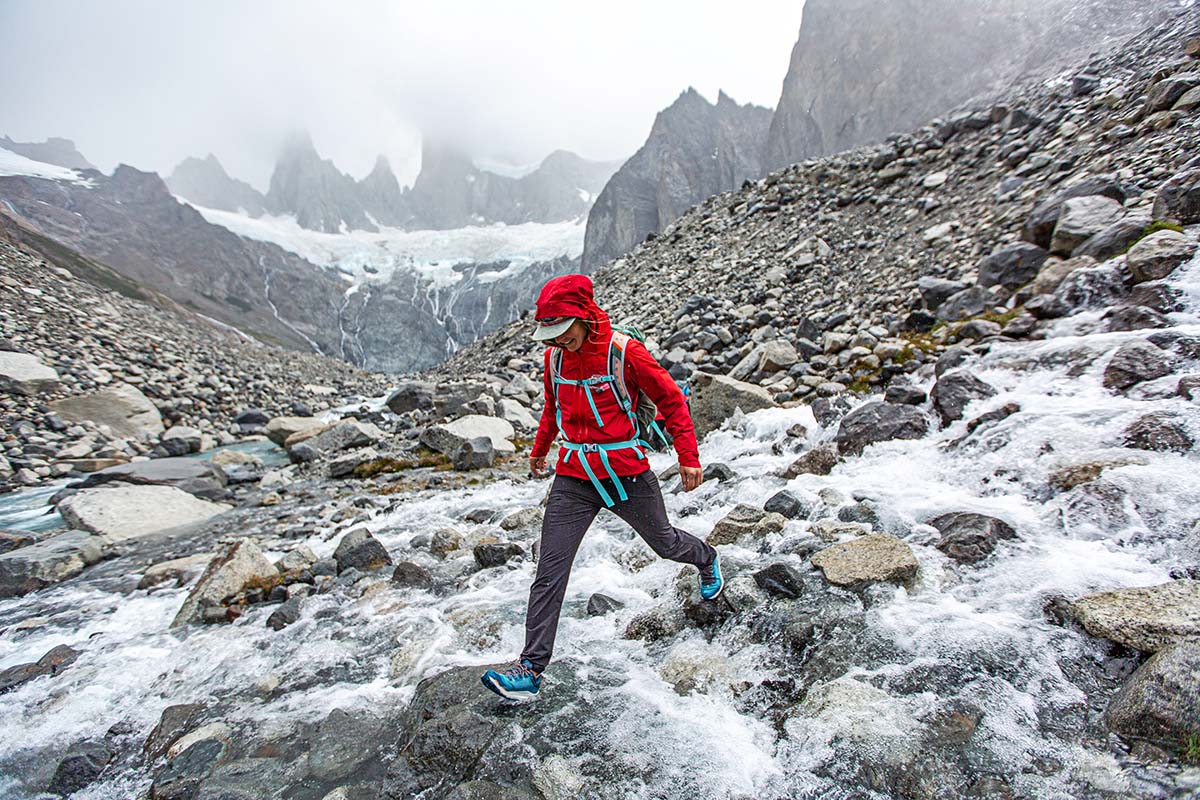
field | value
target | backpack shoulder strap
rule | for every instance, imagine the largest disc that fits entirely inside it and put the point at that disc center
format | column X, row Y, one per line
column 616, row 368
column 556, row 358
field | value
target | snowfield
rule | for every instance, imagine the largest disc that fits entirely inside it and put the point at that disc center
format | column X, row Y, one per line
column 13, row 164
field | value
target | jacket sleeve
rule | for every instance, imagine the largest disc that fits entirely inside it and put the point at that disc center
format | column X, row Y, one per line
column 644, row 373
column 548, row 427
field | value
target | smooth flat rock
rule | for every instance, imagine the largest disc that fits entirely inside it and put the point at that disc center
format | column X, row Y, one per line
column 869, row 559
column 24, row 374
column 280, row 429
column 1144, row 618
column 120, row 513
column 123, row 408
column 449, row 438
column 51, row 560
column 192, row 475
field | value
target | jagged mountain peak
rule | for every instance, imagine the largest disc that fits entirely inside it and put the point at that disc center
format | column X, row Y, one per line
column 204, row 182
column 54, row 150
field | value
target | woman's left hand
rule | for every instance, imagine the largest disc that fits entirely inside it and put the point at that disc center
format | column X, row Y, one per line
column 691, row 477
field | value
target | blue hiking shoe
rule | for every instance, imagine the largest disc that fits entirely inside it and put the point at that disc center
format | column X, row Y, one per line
column 711, row 580
column 517, row 682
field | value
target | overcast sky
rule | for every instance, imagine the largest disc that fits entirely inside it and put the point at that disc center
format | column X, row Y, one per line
column 149, row 83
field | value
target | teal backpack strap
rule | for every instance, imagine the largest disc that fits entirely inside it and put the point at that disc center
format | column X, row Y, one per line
column 616, row 368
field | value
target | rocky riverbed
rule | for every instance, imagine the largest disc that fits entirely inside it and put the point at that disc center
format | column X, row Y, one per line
column 948, row 389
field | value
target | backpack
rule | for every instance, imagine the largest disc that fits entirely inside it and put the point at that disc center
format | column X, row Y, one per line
column 642, row 413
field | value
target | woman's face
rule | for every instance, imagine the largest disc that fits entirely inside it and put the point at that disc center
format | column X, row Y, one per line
column 572, row 338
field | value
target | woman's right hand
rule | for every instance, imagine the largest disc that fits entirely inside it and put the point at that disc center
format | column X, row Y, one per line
column 537, row 466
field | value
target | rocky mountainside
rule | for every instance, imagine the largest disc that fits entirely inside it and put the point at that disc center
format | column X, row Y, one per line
column 862, row 70
column 949, row 388
column 449, row 192
column 54, row 150
column 203, row 181
column 132, row 223
column 695, row 149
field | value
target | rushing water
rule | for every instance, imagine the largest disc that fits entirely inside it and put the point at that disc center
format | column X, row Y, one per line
column 972, row 634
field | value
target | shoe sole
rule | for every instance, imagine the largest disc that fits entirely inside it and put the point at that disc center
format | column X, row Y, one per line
column 521, row 697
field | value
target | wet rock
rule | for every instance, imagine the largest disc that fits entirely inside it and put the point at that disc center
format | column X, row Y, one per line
column 49, row 561
column 719, row 472
column 869, row 559
column 241, row 566
column 715, row 398
column 829, row 410
column 1158, row 295
column 1081, row 218
column 181, row 778
column 780, row 579
column 1133, row 318
column 1160, row 702
column 358, row 549
column 15, row 539
column 970, row 302
column 1073, row 475
column 342, row 436
column 1188, row 387
column 192, row 475
column 450, row 437
column 409, row 574
column 1161, row 431
column 786, row 504
column 1135, row 362
column 287, row 613
column 744, row 520
column 174, row 722
column 80, row 769
column 496, row 554
column 343, row 466
column 177, row 571
column 53, row 662
column 1055, row 270
column 995, row 415
column 1179, row 198
column 123, row 512
column 1158, row 255
column 1012, row 265
column 123, row 408
column 600, row 604
column 831, row 530
column 655, row 624
column 952, row 357
column 23, row 374
column 954, row 391
column 879, row 422
column 445, row 541
column 968, row 537
column 905, row 394
column 522, row 519
column 1145, row 619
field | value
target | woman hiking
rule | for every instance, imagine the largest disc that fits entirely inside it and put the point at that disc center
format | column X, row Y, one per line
column 601, row 462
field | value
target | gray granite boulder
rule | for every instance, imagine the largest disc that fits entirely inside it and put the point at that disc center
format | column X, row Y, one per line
column 1144, row 618
column 879, row 422
column 49, row 561
column 127, row 412
column 242, row 565
column 715, row 398
column 122, row 512
column 873, row 558
column 1160, row 702
column 25, row 374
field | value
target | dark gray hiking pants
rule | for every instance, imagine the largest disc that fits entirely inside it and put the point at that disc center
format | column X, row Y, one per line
column 572, row 506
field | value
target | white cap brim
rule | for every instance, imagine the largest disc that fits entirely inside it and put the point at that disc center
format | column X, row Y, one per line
column 546, row 332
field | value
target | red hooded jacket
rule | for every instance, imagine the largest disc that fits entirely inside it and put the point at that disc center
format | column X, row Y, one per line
column 571, row 296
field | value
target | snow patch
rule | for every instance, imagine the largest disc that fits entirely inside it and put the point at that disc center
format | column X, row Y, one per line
column 13, row 164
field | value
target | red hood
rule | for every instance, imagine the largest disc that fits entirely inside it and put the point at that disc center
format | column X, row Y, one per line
column 571, row 296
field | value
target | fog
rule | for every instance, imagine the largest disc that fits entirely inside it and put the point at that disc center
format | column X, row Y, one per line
column 149, row 83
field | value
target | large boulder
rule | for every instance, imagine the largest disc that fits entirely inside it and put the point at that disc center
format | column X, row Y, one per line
column 449, row 438
column 968, row 537
column 1158, row 255
column 1159, row 430
column 768, row 357
column 122, row 512
column 970, row 302
column 873, row 558
column 1160, row 702
column 1179, row 198
column 241, row 566
column 715, row 398
column 520, row 416
column 343, row 466
column 477, row 453
column 1135, row 362
column 51, row 560
column 1012, row 265
column 1115, row 239
column 192, row 475
column 1039, row 227
column 1144, row 618
column 342, row 436
column 411, row 396
column 879, row 422
column 1082, row 218
column 935, row 291
column 21, row 373
column 818, row 461
column 280, row 429
column 954, row 391
column 127, row 412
